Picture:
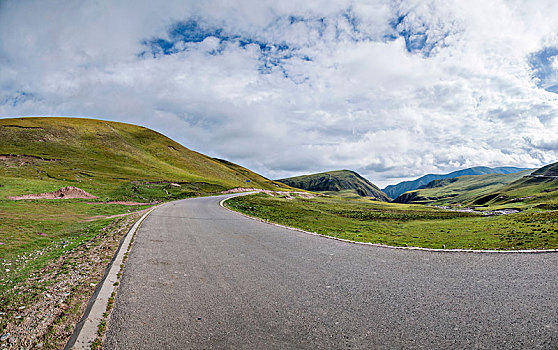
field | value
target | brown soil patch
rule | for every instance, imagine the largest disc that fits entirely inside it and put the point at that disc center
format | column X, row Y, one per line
column 63, row 193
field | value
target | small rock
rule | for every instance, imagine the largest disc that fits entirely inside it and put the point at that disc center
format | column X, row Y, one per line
column 22, row 307
column 4, row 337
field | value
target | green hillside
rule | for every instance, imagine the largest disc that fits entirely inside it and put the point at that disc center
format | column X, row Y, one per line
column 540, row 192
column 394, row 191
column 463, row 189
column 550, row 170
column 112, row 160
column 527, row 189
column 340, row 181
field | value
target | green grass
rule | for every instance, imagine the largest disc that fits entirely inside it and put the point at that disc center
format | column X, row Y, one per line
column 405, row 224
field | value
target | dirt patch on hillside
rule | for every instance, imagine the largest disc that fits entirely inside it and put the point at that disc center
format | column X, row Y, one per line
column 285, row 194
column 69, row 192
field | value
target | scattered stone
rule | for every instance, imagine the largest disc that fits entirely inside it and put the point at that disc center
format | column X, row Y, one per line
column 4, row 337
column 42, row 234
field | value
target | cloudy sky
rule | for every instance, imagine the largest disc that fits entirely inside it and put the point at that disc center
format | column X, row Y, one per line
column 391, row 89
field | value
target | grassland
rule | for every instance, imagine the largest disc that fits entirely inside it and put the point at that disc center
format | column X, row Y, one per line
column 405, row 224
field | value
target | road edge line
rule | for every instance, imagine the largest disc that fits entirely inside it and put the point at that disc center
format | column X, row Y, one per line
column 86, row 330
column 481, row 251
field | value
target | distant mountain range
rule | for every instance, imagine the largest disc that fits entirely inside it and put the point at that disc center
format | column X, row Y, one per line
column 336, row 181
column 394, row 191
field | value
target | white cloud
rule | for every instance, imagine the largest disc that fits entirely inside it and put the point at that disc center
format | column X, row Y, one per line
column 391, row 89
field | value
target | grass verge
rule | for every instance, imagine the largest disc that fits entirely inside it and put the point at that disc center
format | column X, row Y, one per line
column 45, row 292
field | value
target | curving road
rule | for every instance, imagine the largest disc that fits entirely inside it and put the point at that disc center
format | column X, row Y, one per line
column 202, row 277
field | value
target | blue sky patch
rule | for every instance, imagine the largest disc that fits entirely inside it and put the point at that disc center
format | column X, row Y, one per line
column 544, row 72
column 417, row 36
column 182, row 35
column 17, row 98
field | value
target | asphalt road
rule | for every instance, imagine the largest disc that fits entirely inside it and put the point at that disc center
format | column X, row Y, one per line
column 202, row 277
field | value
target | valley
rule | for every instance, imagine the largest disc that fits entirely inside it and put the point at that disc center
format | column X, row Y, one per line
column 71, row 188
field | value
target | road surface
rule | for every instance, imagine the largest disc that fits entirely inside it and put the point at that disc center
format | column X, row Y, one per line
column 202, row 277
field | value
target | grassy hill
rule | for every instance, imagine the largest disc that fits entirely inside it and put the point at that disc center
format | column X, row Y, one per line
column 394, row 191
column 463, row 189
column 538, row 190
column 345, row 182
column 113, row 160
column 550, row 170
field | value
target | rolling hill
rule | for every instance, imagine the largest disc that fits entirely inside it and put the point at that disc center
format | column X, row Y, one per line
column 394, row 191
column 539, row 189
column 113, row 160
column 337, row 181
column 550, row 170
column 463, row 189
